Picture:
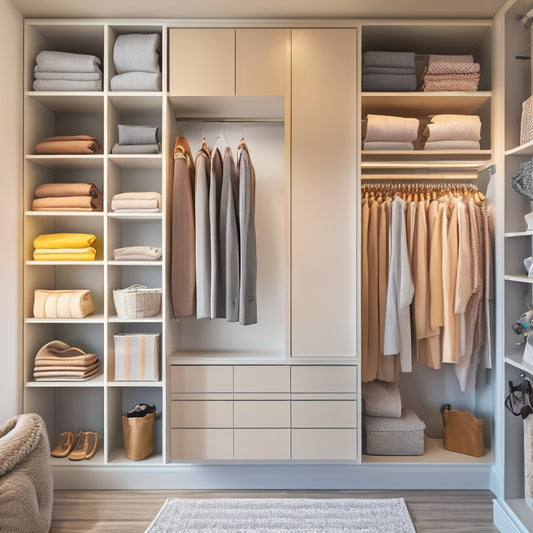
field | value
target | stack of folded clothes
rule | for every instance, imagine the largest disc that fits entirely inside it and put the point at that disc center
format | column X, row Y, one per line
column 68, row 144
column 57, row 361
column 136, row 201
column 64, row 247
column 389, row 71
column 137, row 253
column 384, row 132
column 451, row 73
column 452, row 132
column 137, row 140
column 136, row 59
column 67, row 197
column 63, row 71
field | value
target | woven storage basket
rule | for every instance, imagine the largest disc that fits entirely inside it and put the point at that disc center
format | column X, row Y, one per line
column 137, row 301
column 526, row 123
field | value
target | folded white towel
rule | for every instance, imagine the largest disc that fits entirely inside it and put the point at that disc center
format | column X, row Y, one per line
column 53, row 61
column 137, row 253
column 452, row 145
column 134, row 201
column 390, row 128
column 388, row 145
column 136, row 81
column 136, row 148
column 75, row 76
column 137, row 52
column 453, row 131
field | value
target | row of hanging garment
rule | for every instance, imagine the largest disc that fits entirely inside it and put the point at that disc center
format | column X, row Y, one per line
column 214, row 263
column 426, row 279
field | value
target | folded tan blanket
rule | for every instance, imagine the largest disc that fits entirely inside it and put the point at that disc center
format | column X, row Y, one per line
column 67, row 203
column 447, row 58
column 62, row 353
column 62, row 362
column 446, row 68
column 137, row 253
column 75, row 370
column 67, row 189
column 453, row 83
column 383, row 145
column 453, row 130
column 69, row 144
column 53, row 375
column 134, row 201
column 452, row 145
column 451, row 117
column 390, row 128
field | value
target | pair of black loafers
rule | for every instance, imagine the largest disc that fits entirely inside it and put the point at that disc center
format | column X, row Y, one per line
column 141, row 409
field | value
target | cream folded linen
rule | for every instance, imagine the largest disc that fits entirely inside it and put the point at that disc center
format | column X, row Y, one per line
column 453, row 130
column 67, row 203
column 66, row 368
column 453, row 58
column 451, row 117
column 382, row 145
column 137, row 253
column 136, row 201
column 68, row 375
column 391, row 128
column 67, row 189
column 59, row 352
column 452, row 145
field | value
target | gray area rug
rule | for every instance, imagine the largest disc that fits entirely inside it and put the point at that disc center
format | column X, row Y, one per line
column 285, row 515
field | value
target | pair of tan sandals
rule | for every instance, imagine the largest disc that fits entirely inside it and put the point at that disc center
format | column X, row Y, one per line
column 77, row 447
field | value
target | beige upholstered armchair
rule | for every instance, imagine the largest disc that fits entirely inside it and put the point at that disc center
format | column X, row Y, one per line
column 26, row 488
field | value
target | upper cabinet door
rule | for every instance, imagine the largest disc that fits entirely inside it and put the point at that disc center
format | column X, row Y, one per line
column 261, row 57
column 324, row 207
column 201, row 62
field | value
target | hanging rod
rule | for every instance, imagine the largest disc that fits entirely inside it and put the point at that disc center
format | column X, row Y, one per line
column 423, row 176
column 231, row 119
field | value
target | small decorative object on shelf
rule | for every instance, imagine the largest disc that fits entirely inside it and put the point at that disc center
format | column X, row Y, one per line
column 137, row 301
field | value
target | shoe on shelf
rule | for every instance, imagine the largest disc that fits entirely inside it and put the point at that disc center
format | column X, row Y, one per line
column 66, row 443
column 85, row 447
column 141, row 409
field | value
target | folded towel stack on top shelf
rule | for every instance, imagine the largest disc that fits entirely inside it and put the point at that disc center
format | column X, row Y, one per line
column 132, row 202
column 63, row 71
column 68, row 144
column 136, row 59
column 137, row 140
column 389, row 71
column 453, row 132
column 67, row 197
column 64, row 247
column 384, row 132
column 451, row 73
column 57, row 361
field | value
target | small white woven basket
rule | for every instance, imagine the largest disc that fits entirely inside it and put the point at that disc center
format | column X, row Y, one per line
column 137, row 301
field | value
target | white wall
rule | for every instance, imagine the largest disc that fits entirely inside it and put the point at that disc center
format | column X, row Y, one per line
column 11, row 41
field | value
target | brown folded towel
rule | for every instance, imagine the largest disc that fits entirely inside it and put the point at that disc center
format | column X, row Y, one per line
column 67, row 189
column 67, row 203
column 68, row 144
column 59, row 375
column 64, row 354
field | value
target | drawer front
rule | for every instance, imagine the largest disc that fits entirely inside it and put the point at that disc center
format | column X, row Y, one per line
column 201, row 379
column 262, row 444
column 324, row 444
column 262, row 414
column 323, row 379
column 198, row 444
column 262, row 378
column 324, row 414
column 202, row 414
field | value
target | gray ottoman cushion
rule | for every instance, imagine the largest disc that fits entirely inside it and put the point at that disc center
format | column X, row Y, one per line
column 381, row 398
column 394, row 436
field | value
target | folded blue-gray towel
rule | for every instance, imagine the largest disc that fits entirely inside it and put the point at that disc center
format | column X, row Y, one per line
column 389, row 82
column 136, row 81
column 373, row 58
column 132, row 134
column 137, row 52
column 53, row 61
column 136, row 149
column 388, row 70
column 73, row 76
column 67, row 85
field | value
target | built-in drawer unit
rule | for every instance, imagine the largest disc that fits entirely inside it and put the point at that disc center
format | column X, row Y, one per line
column 262, row 414
column 324, row 414
column 262, row 444
column 201, row 444
column 201, row 379
column 262, row 378
column 324, row 444
column 202, row 414
column 323, row 379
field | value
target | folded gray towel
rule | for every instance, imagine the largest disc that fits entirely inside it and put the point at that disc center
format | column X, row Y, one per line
column 388, row 70
column 136, row 52
column 389, row 82
column 137, row 253
column 136, row 149
column 67, row 85
column 137, row 134
column 76, row 76
column 52, row 61
column 389, row 59
column 136, row 81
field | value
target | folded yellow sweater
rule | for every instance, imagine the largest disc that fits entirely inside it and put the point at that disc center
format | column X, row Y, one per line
column 64, row 240
column 87, row 255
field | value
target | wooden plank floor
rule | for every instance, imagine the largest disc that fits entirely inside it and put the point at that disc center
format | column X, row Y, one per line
column 131, row 511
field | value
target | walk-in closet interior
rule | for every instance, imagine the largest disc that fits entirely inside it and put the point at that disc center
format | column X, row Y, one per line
column 385, row 261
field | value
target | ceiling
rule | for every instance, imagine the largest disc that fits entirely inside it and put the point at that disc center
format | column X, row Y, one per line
column 254, row 9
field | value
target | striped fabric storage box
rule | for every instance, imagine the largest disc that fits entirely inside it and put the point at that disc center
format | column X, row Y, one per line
column 137, row 357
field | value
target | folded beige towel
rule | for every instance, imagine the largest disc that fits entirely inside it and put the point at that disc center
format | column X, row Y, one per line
column 390, row 128
column 450, row 117
column 137, row 253
column 446, row 58
column 136, row 201
column 442, row 68
column 382, row 145
column 452, row 145
column 69, row 144
column 59, row 353
column 67, row 189
column 453, row 130
column 67, row 203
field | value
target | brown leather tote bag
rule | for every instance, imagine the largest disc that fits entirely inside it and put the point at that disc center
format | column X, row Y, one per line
column 463, row 432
